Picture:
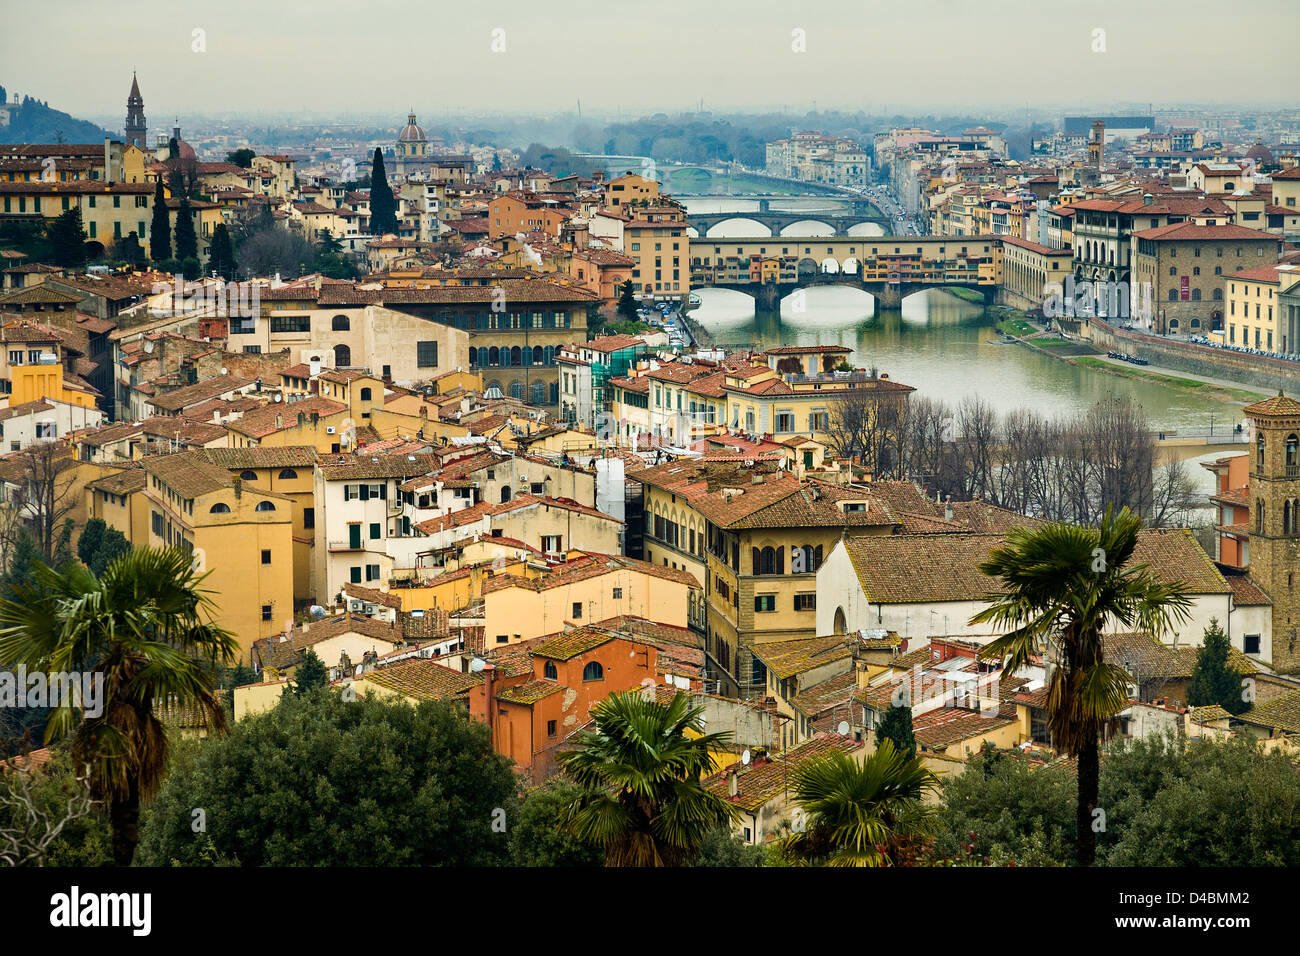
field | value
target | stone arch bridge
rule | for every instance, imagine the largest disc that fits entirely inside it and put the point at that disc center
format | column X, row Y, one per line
column 852, row 213
column 889, row 267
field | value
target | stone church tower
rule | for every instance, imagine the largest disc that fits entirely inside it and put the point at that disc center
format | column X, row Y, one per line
column 135, row 123
column 1275, row 518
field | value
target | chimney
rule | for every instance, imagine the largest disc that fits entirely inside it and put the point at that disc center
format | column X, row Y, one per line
column 1147, row 199
column 733, row 786
column 947, row 509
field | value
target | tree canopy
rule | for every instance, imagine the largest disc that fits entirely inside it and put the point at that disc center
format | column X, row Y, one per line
column 320, row 781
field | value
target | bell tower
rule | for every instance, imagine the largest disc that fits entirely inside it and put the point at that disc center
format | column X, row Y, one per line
column 1275, row 518
column 135, row 123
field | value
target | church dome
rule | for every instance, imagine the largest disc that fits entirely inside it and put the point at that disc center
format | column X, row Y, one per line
column 1260, row 153
column 411, row 133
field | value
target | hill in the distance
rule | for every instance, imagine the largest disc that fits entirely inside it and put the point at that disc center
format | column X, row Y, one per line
column 32, row 121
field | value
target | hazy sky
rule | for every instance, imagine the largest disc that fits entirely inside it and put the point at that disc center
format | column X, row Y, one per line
column 384, row 56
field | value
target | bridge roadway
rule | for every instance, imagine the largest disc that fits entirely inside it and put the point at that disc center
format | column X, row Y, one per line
column 860, row 212
column 889, row 267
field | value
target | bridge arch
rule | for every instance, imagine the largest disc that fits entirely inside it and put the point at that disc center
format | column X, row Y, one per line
column 801, row 228
column 851, row 266
column 829, row 266
column 767, row 230
column 808, row 266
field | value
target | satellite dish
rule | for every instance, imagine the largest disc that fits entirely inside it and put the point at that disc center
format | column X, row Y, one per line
column 279, row 398
column 744, row 757
column 476, row 665
column 842, row 728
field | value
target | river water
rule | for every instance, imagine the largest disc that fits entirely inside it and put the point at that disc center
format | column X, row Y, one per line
column 947, row 349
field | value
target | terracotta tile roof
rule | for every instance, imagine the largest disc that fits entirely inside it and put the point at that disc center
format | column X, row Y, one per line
column 590, row 566
column 281, row 416
column 788, row 658
column 941, row 728
column 1283, row 406
column 373, row 595
column 1189, row 231
column 262, row 456
column 529, row 693
column 361, row 466
column 780, row 500
column 124, row 482
column 188, row 473
column 612, row 343
column 824, row 698
column 935, row 568
column 1280, row 713
column 569, row 644
column 176, row 399
column 768, row 778
column 1150, row 660
column 423, row 679
column 1246, row 592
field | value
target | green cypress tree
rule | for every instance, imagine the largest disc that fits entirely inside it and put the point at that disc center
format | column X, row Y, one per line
column 187, row 243
column 160, row 233
column 310, row 674
column 221, row 253
column 68, row 239
column 627, row 300
column 1213, row 681
column 383, row 206
column 896, row 726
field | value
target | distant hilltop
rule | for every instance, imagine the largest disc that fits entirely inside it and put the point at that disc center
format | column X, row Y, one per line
column 29, row 120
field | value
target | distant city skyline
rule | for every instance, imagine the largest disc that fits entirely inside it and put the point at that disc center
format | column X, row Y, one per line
column 932, row 56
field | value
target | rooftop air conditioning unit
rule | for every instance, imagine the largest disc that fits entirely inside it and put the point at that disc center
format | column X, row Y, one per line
column 329, row 429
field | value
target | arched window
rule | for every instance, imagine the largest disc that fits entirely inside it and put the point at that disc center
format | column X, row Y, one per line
column 517, row 388
column 505, row 493
column 494, row 356
column 1196, row 295
column 593, row 671
column 365, row 394
column 264, row 506
column 341, row 323
column 1173, row 295
column 1259, row 452
column 539, row 355
column 841, row 623
column 527, row 356
column 548, row 355
column 549, row 671
column 220, row 508
column 1218, row 293
column 539, row 393
column 515, row 356
column 342, row 356
column 248, row 476
column 1292, row 453
column 1259, row 516
column 287, row 474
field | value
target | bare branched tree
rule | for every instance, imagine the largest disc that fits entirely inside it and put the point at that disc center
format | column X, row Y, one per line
column 31, row 824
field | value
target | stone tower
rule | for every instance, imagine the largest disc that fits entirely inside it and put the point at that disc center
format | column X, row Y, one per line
column 1097, row 146
column 135, row 122
column 1275, row 518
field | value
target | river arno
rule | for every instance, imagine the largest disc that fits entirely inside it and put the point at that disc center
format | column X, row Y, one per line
column 947, row 349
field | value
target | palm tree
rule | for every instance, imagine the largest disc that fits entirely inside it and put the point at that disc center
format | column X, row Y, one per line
column 144, row 629
column 643, row 802
column 1063, row 584
column 859, row 814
